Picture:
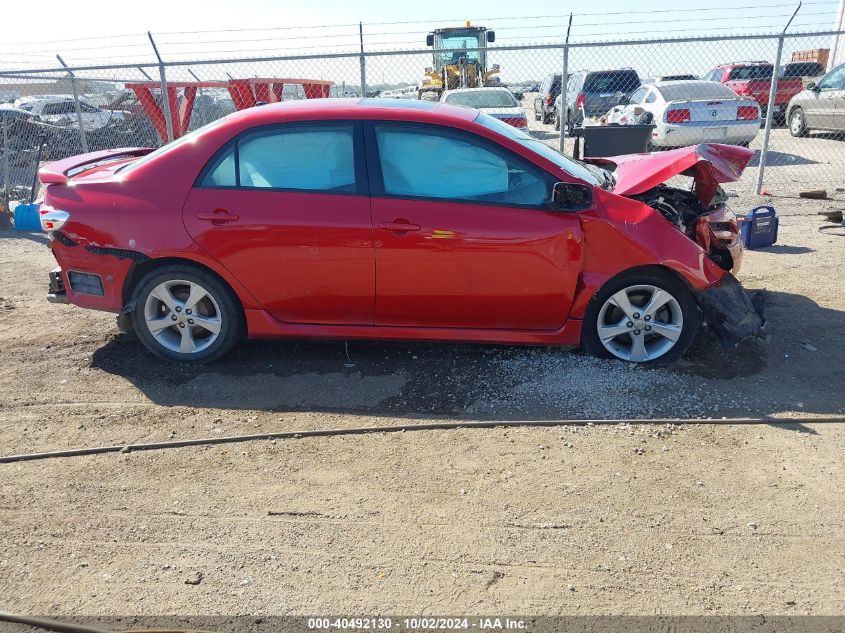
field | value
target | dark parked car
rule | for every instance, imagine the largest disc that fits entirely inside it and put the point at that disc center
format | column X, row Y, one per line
column 544, row 102
column 593, row 93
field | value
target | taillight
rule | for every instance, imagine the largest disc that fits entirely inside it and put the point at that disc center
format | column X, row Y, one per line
column 549, row 99
column 678, row 116
column 520, row 122
column 580, row 100
column 741, row 89
column 52, row 219
column 746, row 113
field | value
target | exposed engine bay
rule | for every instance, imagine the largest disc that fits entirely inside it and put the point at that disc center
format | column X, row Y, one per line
column 713, row 227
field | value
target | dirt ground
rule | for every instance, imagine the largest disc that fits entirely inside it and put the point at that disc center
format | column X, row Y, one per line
column 698, row 518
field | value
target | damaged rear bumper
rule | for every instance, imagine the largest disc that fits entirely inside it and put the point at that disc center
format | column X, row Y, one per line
column 732, row 313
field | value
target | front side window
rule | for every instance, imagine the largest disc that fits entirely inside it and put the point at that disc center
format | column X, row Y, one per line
column 310, row 158
column 834, row 80
column 436, row 164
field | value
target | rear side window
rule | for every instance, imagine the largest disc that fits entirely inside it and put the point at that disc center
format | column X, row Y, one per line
column 308, row 158
column 616, row 81
column 743, row 73
column 423, row 164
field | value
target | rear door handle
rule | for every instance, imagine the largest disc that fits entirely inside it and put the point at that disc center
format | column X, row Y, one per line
column 219, row 216
column 399, row 226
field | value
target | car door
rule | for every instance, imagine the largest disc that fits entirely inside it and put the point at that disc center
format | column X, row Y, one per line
column 285, row 209
column 823, row 103
column 463, row 239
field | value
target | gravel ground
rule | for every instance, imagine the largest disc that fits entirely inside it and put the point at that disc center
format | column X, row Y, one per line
column 690, row 519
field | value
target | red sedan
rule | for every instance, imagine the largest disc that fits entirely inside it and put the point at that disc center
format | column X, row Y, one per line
column 396, row 220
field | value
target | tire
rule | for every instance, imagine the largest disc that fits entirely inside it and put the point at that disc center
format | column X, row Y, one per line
column 570, row 125
column 677, row 318
column 798, row 123
column 536, row 114
column 169, row 304
column 544, row 117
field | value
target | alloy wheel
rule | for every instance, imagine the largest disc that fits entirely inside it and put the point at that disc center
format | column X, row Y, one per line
column 182, row 316
column 640, row 323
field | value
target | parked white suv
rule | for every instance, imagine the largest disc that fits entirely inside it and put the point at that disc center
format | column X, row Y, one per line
column 62, row 111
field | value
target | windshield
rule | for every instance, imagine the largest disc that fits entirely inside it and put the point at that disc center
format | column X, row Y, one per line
column 626, row 81
column 804, row 69
column 751, row 72
column 482, row 99
column 588, row 173
column 190, row 137
column 697, row 90
column 457, row 41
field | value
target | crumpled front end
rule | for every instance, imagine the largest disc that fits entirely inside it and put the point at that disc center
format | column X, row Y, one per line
column 731, row 312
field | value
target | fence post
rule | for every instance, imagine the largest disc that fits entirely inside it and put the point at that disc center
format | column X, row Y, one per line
column 563, row 83
column 165, row 94
column 363, row 61
column 83, row 137
column 770, row 108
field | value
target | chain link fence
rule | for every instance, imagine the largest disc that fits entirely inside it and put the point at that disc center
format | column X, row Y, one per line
column 53, row 112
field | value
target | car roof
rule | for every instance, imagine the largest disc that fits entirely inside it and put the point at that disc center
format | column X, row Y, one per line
column 682, row 82
column 484, row 89
column 354, row 108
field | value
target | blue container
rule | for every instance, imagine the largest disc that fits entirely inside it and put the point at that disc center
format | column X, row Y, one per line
column 759, row 228
column 26, row 217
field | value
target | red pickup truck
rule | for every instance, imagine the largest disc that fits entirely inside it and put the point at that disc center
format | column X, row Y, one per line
column 754, row 79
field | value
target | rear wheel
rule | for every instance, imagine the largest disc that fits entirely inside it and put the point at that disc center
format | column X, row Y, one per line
column 645, row 317
column 797, row 123
column 186, row 314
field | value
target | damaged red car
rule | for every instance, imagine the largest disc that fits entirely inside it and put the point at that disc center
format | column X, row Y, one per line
column 377, row 219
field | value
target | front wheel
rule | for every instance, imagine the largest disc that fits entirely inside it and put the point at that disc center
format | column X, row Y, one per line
column 797, row 123
column 186, row 314
column 645, row 317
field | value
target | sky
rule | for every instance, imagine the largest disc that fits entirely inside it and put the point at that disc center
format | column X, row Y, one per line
column 97, row 32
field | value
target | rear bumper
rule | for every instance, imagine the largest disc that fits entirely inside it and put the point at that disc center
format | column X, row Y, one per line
column 731, row 312
column 666, row 135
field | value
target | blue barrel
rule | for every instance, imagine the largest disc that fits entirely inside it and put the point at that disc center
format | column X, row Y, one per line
column 26, row 217
column 759, row 228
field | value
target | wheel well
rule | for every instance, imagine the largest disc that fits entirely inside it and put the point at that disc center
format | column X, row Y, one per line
column 142, row 269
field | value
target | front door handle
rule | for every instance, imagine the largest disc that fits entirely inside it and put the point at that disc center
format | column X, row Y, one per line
column 219, row 216
column 399, row 226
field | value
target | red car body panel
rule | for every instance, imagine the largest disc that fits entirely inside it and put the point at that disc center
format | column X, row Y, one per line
column 709, row 165
column 337, row 266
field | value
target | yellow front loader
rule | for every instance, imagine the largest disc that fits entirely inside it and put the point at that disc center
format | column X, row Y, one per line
column 460, row 61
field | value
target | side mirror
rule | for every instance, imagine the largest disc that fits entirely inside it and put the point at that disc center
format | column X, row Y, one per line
column 572, row 196
column 429, row 39
column 624, row 100
column 812, row 86
column 491, row 37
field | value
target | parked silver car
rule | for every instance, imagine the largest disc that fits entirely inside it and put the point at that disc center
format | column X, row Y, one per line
column 820, row 107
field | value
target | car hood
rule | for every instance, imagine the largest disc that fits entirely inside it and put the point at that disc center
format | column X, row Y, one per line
column 709, row 164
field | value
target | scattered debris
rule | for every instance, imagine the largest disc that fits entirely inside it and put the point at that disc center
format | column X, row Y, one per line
column 194, row 579
column 809, row 347
column 494, row 578
column 813, row 194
